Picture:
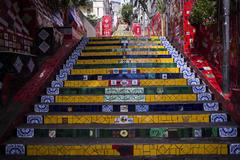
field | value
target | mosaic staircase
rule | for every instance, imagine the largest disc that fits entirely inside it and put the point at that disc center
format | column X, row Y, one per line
column 122, row 97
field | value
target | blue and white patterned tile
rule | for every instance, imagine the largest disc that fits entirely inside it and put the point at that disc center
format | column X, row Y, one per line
column 164, row 76
column 199, row 89
column 124, row 71
column 205, row 97
column 107, row 108
column 25, row 132
column 194, row 81
column 197, row 132
column 34, row 119
column 61, row 77
column 115, row 71
column 41, row 108
column 52, row 91
column 67, row 67
column 124, row 98
column 15, row 149
column 214, row 106
column 187, row 73
column 57, row 84
column 180, row 63
column 219, row 117
column 234, row 148
column 69, row 64
column 142, row 108
column 228, row 132
column 64, row 71
column 47, row 99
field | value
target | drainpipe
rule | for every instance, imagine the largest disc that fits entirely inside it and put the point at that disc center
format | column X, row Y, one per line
column 226, row 50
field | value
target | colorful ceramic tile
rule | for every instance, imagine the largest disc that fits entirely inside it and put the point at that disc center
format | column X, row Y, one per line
column 180, row 63
column 67, row 66
column 194, row 81
column 124, row 98
column 85, row 77
column 107, row 108
column 199, row 89
column 115, row 71
column 18, row 64
column 197, row 132
column 135, row 82
column 124, row 71
column 41, row 108
column 124, row 83
column 205, row 97
column 142, row 108
column 158, row 132
column 113, row 82
column 123, row 108
column 52, row 91
column 124, row 119
column 214, row 106
column 15, row 149
column 34, row 119
column 47, row 99
column 52, row 133
column 234, row 148
column 187, row 73
column 133, row 70
column 164, row 76
column 61, row 77
column 57, row 84
column 25, row 132
column 99, row 78
column 127, row 90
column 219, row 117
column 228, row 132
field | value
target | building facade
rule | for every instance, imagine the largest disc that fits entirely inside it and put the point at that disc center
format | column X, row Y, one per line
column 101, row 8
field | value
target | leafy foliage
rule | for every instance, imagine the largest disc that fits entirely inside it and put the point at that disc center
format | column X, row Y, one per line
column 92, row 19
column 161, row 6
column 127, row 11
column 204, row 13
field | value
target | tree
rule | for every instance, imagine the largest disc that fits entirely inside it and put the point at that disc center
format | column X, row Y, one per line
column 204, row 13
column 127, row 11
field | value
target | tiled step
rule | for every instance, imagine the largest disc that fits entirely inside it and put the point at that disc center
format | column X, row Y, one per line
column 161, row 64
column 126, row 98
column 124, row 52
column 112, row 57
column 119, row 147
column 127, row 118
column 169, row 131
column 126, row 76
column 125, row 70
column 125, row 60
column 124, row 49
column 126, row 107
column 119, row 46
column 128, row 90
column 127, row 83
column 140, row 100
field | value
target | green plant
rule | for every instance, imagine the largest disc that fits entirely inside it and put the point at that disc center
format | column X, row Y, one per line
column 92, row 19
column 127, row 11
column 204, row 13
column 161, row 6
